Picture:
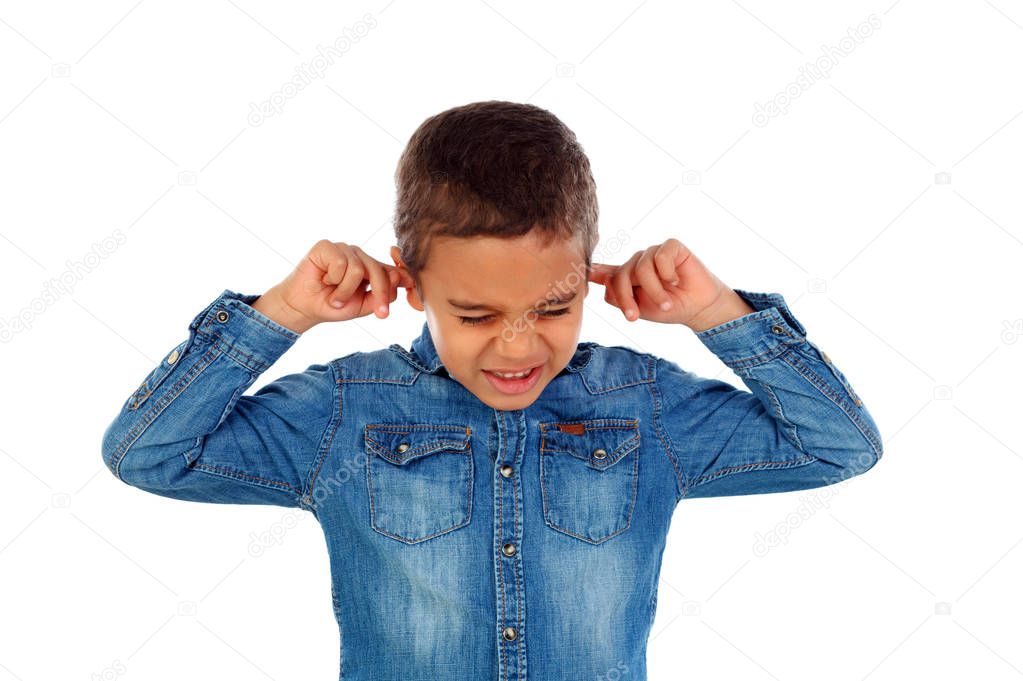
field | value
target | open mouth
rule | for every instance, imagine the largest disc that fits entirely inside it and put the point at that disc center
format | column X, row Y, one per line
column 514, row 383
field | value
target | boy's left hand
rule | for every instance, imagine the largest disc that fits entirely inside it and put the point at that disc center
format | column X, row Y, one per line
column 671, row 273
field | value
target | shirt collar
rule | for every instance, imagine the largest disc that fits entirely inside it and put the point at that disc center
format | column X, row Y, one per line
column 424, row 354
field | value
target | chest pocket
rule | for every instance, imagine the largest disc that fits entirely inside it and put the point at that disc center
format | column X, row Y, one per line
column 588, row 476
column 419, row 478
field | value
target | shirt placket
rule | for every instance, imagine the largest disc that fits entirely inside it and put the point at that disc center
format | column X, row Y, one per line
column 508, row 573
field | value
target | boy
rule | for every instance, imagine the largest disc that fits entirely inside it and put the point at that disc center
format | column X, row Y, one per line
column 496, row 498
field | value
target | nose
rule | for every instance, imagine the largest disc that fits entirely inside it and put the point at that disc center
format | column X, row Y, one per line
column 518, row 346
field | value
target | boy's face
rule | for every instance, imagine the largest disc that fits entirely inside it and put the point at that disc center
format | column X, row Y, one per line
column 486, row 304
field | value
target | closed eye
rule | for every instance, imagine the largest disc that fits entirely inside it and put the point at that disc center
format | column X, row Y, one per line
column 547, row 314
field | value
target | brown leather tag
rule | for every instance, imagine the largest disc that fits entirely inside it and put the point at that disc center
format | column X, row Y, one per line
column 572, row 428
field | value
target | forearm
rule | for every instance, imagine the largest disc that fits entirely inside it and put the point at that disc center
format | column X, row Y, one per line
column 191, row 391
column 814, row 405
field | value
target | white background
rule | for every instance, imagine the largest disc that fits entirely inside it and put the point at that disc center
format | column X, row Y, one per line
column 133, row 177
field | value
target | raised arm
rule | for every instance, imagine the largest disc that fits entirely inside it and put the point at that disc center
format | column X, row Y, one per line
column 188, row 432
column 799, row 426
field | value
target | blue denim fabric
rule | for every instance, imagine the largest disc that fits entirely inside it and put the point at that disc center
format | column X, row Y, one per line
column 471, row 543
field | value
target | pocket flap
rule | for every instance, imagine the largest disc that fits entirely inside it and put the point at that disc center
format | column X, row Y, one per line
column 599, row 442
column 400, row 443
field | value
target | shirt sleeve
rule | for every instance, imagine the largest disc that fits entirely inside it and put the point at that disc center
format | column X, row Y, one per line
column 800, row 425
column 188, row 432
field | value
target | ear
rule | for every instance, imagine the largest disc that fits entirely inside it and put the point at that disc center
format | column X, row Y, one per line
column 411, row 293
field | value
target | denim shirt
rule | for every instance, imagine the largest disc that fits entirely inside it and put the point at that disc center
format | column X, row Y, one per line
column 467, row 542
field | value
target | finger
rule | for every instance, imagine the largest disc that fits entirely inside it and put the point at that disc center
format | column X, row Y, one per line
column 622, row 285
column 328, row 266
column 664, row 260
column 355, row 271
column 601, row 273
column 378, row 282
column 648, row 278
column 335, row 268
column 368, row 301
column 394, row 278
column 609, row 296
column 359, row 300
column 325, row 267
column 405, row 279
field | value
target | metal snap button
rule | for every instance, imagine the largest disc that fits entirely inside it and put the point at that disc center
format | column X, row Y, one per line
column 777, row 329
column 508, row 549
column 402, row 447
column 173, row 357
column 510, row 633
column 222, row 316
column 506, row 471
column 599, row 453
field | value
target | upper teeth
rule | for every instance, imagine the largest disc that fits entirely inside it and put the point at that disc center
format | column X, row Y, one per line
column 520, row 374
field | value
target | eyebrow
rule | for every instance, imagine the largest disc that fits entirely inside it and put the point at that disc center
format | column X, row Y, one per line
column 470, row 306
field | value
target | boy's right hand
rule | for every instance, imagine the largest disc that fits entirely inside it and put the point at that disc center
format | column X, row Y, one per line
column 333, row 272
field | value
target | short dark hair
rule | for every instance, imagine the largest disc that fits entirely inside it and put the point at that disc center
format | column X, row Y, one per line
column 493, row 168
